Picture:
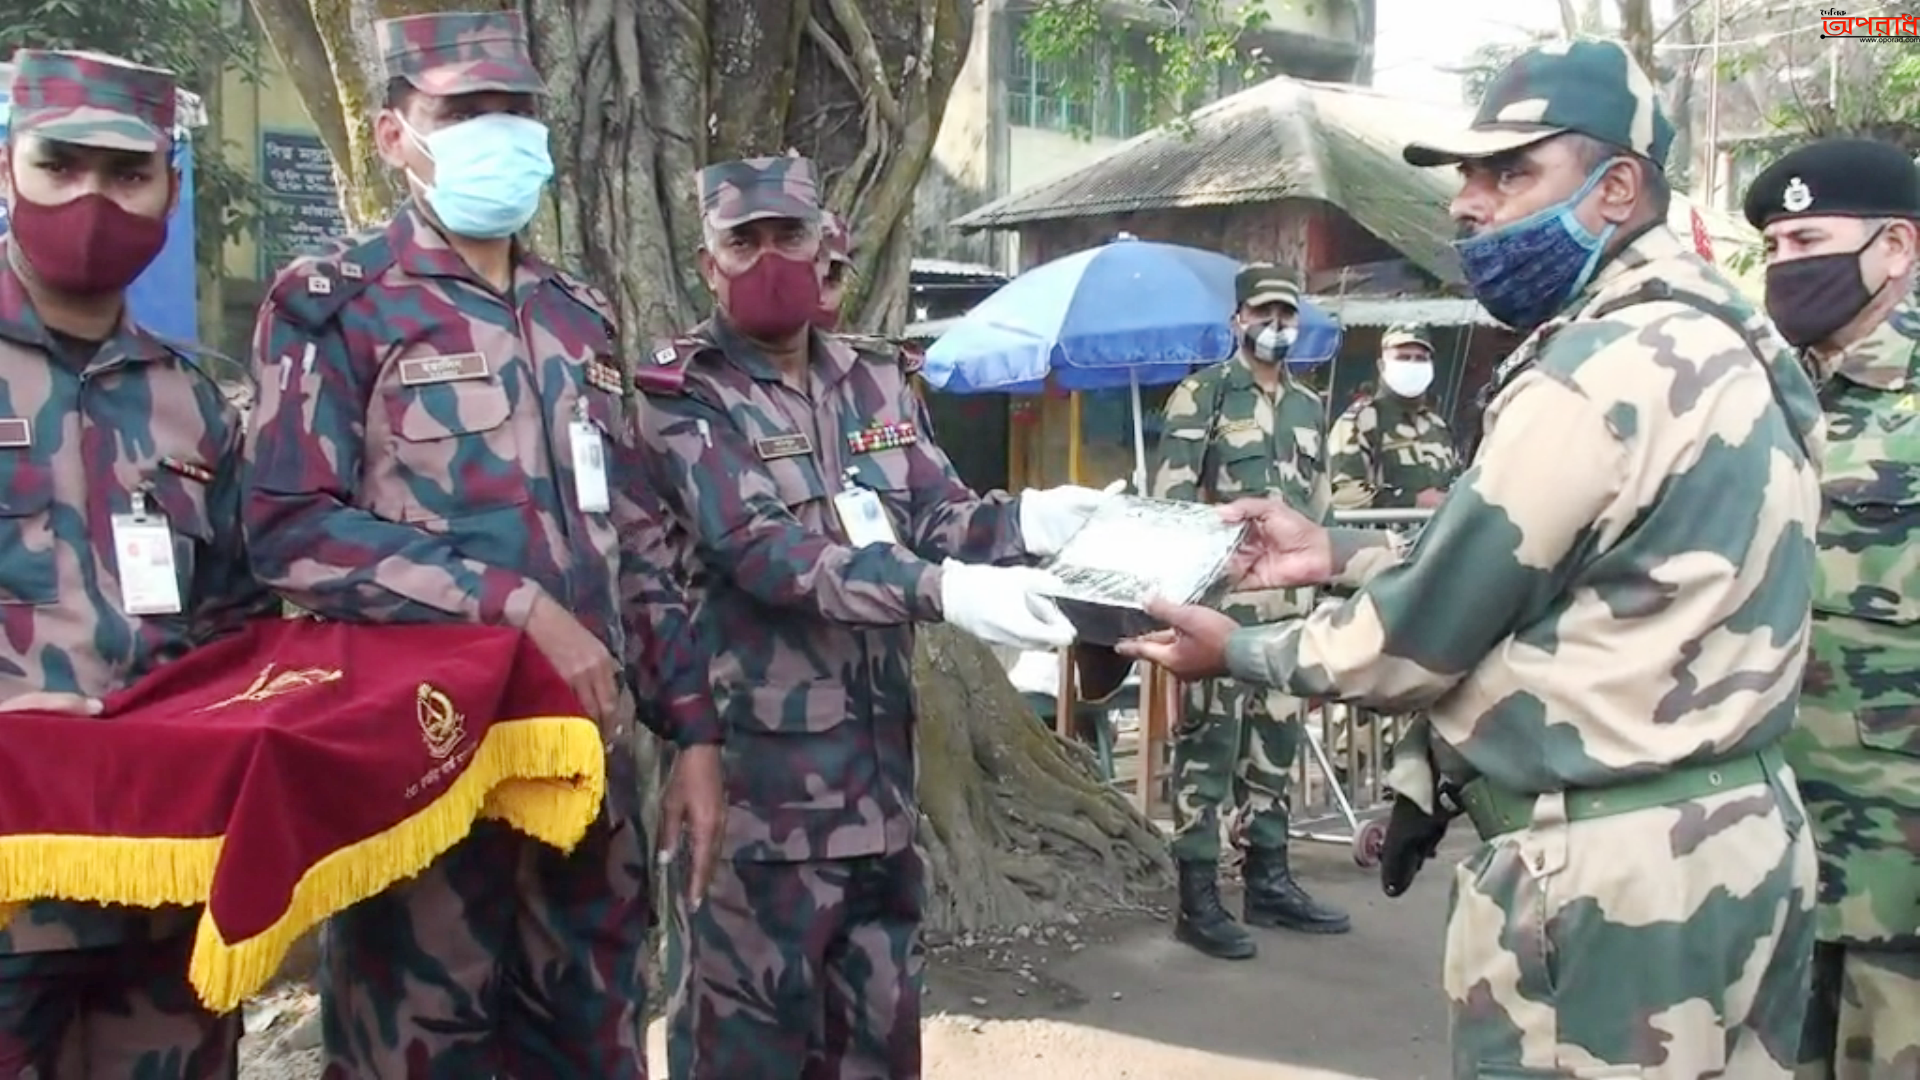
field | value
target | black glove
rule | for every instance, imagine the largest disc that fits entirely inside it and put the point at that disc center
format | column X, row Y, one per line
column 1413, row 837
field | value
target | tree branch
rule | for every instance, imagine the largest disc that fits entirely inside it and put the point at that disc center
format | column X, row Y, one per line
column 290, row 31
column 860, row 39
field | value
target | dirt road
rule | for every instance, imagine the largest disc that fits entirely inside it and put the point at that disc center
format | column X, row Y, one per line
column 1118, row 999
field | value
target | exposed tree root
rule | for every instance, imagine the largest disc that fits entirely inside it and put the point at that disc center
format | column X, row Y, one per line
column 1017, row 823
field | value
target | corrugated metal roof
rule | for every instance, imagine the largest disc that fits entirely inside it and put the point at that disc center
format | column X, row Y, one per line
column 1282, row 139
column 950, row 268
column 1387, row 310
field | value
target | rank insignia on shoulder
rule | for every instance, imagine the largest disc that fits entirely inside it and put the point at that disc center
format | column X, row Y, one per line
column 319, row 284
column 351, row 271
column 879, row 437
column 16, row 433
column 773, row 447
column 603, row 375
column 192, row 470
column 664, row 356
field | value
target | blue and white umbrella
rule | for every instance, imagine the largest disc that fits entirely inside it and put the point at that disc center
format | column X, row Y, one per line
column 1129, row 313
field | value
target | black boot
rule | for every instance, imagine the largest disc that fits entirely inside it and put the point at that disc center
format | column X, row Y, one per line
column 1274, row 899
column 1204, row 922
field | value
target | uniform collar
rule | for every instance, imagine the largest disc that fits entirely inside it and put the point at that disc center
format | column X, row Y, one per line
column 829, row 358
column 1884, row 359
column 421, row 250
column 1638, row 260
column 20, row 323
column 1240, row 375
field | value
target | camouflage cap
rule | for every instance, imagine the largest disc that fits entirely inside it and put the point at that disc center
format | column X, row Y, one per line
column 837, row 237
column 1407, row 334
column 1592, row 87
column 92, row 99
column 1259, row 284
column 459, row 52
column 736, row 192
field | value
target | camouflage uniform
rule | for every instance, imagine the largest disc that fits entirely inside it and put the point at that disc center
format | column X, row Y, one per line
column 1383, row 451
column 1225, row 437
column 1386, row 449
column 1607, row 619
column 805, row 959
column 1856, row 746
column 88, row 429
column 409, row 463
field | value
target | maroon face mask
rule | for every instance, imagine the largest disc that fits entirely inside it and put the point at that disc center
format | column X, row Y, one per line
column 774, row 297
column 85, row 246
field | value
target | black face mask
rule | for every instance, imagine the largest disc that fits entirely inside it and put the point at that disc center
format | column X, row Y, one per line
column 1810, row 299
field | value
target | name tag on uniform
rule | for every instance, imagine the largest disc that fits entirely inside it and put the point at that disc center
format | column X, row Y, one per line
column 143, row 553
column 589, row 464
column 16, row 433
column 864, row 518
column 454, row 367
column 1235, row 427
column 783, row 446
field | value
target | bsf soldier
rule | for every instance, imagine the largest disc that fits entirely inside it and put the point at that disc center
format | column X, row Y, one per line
column 1841, row 220
column 827, row 524
column 1391, row 450
column 109, row 438
column 1606, row 619
column 444, row 434
column 1244, row 427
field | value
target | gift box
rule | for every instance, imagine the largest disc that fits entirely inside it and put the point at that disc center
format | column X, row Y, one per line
column 1133, row 548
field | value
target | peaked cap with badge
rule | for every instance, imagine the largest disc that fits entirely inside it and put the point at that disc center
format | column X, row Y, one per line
column 1259, row 284
column 459, row 52
column 91, row 99
column 733, row 193
column 1593, row 87
column 1407, row 334
column 1836, row 178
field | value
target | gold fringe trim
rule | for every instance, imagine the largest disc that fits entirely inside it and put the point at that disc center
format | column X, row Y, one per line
column 544, row 776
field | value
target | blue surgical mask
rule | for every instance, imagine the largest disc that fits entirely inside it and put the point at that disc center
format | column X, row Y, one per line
column 1525, row 272
column 488, row 173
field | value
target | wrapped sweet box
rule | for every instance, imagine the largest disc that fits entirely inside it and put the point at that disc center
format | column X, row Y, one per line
column 1132, row 548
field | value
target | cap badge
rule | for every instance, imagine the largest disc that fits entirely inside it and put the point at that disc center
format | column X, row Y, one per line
column 1797, row 197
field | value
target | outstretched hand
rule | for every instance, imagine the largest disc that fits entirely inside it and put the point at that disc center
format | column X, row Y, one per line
column 1194, row 646
column 1282, row 548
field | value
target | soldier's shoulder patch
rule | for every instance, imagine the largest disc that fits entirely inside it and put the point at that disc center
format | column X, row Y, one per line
column 588, row 296
column 222, row 373
column 664, row 371
column 314, row 288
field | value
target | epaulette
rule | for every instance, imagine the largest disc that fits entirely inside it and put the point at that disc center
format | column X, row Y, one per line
column 590, row 297
column 909, row 355
column 311, row 291
column 664, row 373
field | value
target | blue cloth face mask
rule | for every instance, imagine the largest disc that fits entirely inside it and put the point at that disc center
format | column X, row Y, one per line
column 488, row 173
column 1524, row 272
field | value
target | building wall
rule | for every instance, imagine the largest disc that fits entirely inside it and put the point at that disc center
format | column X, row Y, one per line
column 268, row 135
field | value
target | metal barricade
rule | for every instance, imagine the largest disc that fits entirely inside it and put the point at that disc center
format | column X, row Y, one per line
column 1342, row 797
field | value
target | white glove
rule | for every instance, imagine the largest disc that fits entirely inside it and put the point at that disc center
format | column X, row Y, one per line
column 1048, row 519
column 1003, row 605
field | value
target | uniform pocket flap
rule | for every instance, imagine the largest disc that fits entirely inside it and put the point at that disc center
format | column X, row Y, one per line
column 1892, row 487
column 1892, row 728
column 810, row 708
column 446, row 410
